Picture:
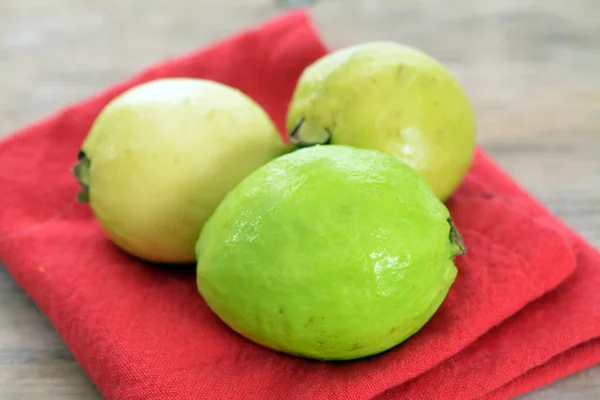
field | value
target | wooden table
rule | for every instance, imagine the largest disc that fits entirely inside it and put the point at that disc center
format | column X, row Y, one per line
column 532, row 69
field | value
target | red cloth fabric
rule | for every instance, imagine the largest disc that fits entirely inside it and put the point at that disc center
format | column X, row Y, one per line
column 526, row 292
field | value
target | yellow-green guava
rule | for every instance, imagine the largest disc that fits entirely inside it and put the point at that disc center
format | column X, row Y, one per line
column 389, row 97
column 329, row 252
column 161, row 156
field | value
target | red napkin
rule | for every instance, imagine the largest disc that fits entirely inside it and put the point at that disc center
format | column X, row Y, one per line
column 143, row 332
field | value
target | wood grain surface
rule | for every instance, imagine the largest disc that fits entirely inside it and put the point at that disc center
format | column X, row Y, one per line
column 531, row 68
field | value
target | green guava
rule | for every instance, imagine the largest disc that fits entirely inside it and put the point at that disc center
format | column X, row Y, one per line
column 389, row 97
column 328, row 252
column 161, row 156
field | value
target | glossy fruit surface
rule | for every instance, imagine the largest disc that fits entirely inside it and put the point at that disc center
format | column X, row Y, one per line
column 329, row 252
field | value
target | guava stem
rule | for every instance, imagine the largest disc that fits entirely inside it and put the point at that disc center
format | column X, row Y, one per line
column 296, row 139
column 456, row 240
column 81, row 171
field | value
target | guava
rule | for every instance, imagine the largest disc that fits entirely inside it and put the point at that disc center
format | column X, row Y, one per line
column 328, row 252
column 390, row 97
column 161, row 156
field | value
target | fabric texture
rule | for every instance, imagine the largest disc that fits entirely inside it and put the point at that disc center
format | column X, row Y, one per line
column 523, row 312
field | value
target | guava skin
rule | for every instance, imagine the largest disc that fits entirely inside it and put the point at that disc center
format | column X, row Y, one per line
column 329, row 252
column 389, row 97
column 161, row 156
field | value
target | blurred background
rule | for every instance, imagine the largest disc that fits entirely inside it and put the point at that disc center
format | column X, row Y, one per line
column 530, row 67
